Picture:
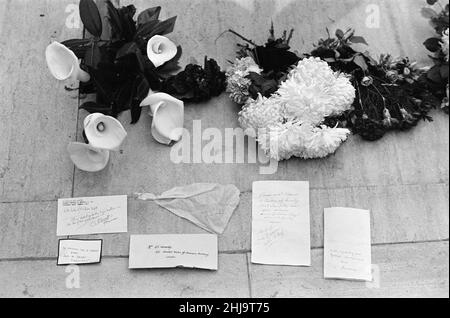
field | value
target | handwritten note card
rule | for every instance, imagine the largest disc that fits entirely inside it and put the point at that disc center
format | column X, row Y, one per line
column 280, row 223
column 79, row 252
column 95, row 215
column 347, row 253
column 177, row 250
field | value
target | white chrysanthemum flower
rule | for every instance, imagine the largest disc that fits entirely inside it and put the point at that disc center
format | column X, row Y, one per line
column 282, row 142
column 313, row 91
column 445, row 44
column 258, row 114
column 323, row 141
column 286, row 124
column 237, row 83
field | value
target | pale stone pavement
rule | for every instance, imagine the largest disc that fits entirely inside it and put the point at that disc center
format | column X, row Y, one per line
column 403, row 178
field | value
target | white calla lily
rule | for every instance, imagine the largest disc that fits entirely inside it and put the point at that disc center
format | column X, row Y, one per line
column 168, row 117
column 104, row 132
column 87, row 158
column 160, row 50
column 63, row 63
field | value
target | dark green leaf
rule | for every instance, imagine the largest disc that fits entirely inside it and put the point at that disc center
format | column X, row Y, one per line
column 164, row 27
column 428, row 13
column 102, row 85
column 114, row 19
column 90, row 16
column 142, row 88
column 123, row 96
column 358, row 39
column 128, row 48
column 361, row 62
column 75, row 42
column 434, row 74
column 92, row 56
column 444, row 72
column 145, row 30
column 149, row 15
column 93, row 107
column 78, row 46
column 128, row 24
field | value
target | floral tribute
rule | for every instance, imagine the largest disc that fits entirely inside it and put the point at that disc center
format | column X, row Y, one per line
column 439, row 47
column 132, row 66
column 306, row 105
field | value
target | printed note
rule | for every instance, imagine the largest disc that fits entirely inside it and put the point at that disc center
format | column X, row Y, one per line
column 79, row 252
column 280, row 223
column 94, row 215
column 174, row 250
column 347, row 247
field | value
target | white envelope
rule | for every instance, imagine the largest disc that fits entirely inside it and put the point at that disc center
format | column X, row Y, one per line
column 174, row 250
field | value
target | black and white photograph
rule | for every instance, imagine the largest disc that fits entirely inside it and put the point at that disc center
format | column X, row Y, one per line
column 224, row 154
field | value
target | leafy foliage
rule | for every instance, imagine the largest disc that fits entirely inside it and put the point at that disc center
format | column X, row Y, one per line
column 196, row 84
column 437, row 76
column 90, row 16
column 274, row 57
column 391, row 94
column 122, row 74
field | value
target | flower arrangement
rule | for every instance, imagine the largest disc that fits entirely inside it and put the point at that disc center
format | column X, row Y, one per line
column 391, row 93
column 135, row 61
column 438, row 45
column 305, row 105
column 286, row 99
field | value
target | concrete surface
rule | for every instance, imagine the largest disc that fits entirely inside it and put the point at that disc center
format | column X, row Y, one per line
column 403, row 178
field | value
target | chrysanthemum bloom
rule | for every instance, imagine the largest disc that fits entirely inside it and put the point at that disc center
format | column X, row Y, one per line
column 313, row 91
column 237, row 81
column 445, row 44
column 259, row 114
column 288, row 123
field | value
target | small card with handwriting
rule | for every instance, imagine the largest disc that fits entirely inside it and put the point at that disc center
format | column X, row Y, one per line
column 174, row 250
column 280, row 223
column 79, row 252
column 92, row 215
column 347, row 245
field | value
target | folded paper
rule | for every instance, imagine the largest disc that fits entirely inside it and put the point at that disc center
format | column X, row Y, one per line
column 208, row 205
column 79, row 252
column 92, row 215
column 347, row 253
column 177, row 250
column 280, row 223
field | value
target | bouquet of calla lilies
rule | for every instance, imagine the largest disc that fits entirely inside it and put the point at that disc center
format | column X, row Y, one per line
column 133, row 68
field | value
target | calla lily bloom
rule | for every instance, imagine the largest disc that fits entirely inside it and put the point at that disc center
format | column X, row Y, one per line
column 64, row 64
column 104, row 132
column 168, row 117
column 160, row 50
column 87, row 158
